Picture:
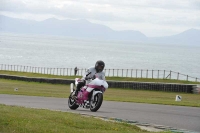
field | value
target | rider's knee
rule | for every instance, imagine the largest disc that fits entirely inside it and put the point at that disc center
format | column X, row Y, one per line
column 80, row 84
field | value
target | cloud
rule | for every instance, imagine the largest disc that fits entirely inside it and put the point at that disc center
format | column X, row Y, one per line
column 68, row 9
column 166, row 13
column 94, row 8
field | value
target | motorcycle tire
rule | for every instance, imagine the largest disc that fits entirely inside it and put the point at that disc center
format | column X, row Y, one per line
column 96, row 104
column 72, row 103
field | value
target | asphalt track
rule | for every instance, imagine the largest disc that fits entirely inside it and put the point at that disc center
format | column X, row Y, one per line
column 174, row 116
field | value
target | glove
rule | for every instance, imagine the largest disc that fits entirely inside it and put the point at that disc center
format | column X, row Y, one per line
column 94, row 77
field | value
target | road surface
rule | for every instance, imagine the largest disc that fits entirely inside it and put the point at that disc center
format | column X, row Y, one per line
column 179, row 117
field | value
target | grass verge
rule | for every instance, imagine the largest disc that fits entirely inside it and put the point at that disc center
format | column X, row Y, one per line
column 25, row 120
column 107, row 78
column 111, row 94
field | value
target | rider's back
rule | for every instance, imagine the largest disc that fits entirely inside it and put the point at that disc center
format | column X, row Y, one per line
column 92, row 71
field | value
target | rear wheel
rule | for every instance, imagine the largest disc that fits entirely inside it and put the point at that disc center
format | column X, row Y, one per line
column 96, row 103
column 72, row 103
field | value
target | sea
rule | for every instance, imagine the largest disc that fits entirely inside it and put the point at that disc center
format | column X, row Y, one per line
column 69, row 52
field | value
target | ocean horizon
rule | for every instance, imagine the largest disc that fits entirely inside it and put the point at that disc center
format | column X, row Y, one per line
column 69, row 52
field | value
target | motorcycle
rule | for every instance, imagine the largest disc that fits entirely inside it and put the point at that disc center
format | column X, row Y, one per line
column 90, row 100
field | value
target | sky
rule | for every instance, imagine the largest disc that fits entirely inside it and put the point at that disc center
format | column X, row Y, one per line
column 153, row 18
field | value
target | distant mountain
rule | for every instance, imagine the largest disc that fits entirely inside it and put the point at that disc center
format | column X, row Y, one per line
column 74, row 28
column 191, row 36
column 85, row 29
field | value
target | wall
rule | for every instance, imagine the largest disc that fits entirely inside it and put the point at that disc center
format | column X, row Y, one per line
column 169, row 87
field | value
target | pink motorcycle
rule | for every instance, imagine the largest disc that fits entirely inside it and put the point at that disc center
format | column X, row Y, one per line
column 90, row 96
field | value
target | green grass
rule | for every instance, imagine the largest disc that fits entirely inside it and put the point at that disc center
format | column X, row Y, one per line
column 25, row 120
column 152, row 97
column 36, row 75
column 107, row 78
column 111, row 94
column 33, row 88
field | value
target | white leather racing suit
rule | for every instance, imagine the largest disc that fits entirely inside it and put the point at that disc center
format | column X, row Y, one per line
column 92, row 71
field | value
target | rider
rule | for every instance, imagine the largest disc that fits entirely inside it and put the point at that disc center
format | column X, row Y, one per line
column 92, row 73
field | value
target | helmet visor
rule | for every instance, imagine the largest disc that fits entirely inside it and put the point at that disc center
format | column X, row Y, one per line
column 100, row 68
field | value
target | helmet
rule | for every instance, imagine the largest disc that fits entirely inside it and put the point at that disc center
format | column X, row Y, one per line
column 99, row 66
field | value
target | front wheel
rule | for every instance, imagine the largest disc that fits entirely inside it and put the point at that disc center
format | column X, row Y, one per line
column 72, row 103
column 96, row 103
